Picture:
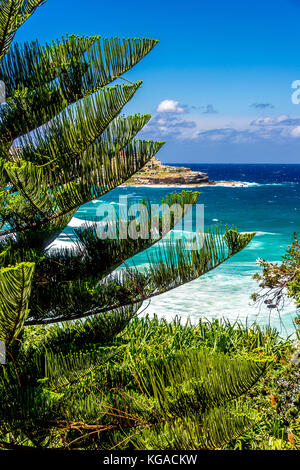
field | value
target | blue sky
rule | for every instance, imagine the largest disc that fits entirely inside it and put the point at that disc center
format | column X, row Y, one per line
column 218, row 85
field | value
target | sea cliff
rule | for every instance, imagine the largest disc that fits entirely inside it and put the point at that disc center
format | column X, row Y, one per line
column 156, row 173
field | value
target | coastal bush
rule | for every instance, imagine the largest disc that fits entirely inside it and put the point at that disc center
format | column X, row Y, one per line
column 279, row 281
column 156, row 385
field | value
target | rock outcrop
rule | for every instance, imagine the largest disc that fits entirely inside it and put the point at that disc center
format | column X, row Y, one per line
column 157, row 173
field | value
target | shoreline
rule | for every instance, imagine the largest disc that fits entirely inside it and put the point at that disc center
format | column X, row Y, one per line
column 224, row 184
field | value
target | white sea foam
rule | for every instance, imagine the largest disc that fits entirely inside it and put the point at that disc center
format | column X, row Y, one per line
column 235, row 184
column 285, row 183
column 261, row 234
column 75, row 222
column 222, row 184
column 220, row 295
column 225, row 184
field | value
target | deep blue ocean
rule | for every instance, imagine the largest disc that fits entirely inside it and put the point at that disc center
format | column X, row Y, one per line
column 269, row 205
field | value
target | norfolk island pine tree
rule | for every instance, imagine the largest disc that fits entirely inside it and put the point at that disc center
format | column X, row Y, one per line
column 63, row 144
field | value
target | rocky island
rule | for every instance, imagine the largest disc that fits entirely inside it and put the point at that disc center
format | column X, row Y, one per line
column 156, row 173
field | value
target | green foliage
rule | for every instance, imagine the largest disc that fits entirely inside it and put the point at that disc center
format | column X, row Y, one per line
column 78, row 380
column 79, row 281
column 15, row 289
column 159, row 337
column 189, row 392
column 13, row 13
column 279, row 281
column 72, row 147
column 155, row 385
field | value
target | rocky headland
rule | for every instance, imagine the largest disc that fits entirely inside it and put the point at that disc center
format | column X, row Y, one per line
column 156, row 173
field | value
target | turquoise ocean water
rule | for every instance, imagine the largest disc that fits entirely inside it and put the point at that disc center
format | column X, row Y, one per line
column 269, row 205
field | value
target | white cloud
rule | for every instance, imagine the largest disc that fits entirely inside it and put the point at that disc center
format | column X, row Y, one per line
column 282, row 117
column 278, row 129
column 295, row 132
column 165, row 125
column 169, row 122
column 169, row 106
column 270, row 121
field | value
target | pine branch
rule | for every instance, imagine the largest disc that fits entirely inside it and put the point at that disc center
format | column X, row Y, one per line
column 190, row 394
column 9, row 10
column 54, row 195
column 13, row 13
column 77, row 75
column 170, row 266
column 32, row 65
column 15, row 289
